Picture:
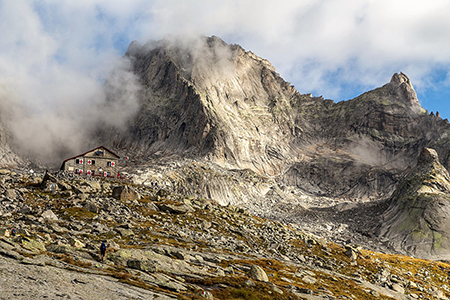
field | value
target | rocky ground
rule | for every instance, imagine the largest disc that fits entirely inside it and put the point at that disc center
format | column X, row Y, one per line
column 163, row 245
column 334, row 219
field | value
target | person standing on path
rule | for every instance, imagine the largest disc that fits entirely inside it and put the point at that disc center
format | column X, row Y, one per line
column 102, row 251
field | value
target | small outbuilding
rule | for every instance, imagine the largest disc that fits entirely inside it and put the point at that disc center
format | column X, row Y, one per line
column 99, row 161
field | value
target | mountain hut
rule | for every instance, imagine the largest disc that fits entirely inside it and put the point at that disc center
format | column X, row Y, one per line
column 99, row 161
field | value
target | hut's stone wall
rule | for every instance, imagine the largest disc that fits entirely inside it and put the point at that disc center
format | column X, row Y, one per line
column 99, row 161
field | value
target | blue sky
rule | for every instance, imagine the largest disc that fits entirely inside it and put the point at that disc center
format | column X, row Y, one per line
column 55, row 54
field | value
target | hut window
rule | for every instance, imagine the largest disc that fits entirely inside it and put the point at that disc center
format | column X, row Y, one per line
column 110, row 164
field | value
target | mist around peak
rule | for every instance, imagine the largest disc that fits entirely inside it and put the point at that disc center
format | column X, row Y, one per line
column 55, row 115
column 200, row 58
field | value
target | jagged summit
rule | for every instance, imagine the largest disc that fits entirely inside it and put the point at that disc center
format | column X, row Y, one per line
column 401, row 87
column 418, row 218
column 133, row 49
column 203, row 61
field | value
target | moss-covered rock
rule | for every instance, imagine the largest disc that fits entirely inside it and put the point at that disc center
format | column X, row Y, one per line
column 30, row 244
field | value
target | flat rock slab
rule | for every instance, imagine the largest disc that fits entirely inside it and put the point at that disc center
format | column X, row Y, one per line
column 20, row 282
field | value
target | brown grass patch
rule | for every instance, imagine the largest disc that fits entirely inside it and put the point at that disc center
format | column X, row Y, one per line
column 78, row 213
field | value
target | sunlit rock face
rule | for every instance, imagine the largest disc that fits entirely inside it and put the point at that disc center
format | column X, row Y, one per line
column 203, row 98
column 206, row 98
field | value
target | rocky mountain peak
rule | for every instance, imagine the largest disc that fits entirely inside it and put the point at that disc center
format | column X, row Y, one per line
column 205, row 97
column 401, row 87
column 400, row 78
column 133, row 49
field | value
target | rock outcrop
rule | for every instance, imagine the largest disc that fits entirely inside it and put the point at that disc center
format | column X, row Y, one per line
column 417, row 220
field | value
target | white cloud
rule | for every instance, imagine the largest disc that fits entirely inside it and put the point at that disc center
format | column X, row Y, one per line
column 360, row 43
column 53, row 61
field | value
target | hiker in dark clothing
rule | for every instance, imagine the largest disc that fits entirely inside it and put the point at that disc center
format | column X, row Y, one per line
column 102, row 251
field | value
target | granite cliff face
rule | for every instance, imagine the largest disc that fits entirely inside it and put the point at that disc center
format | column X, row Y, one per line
column 205, row 98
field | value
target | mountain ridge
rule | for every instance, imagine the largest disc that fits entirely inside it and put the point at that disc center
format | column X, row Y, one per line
column 214, row 101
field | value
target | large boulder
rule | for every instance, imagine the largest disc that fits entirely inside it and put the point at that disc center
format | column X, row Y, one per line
column 125, row 193
column 49, row 215
column 92, row 207
column 76, row 243
column 11, row 194
column 257, row 273
column 141, row 264
column 30, row 244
